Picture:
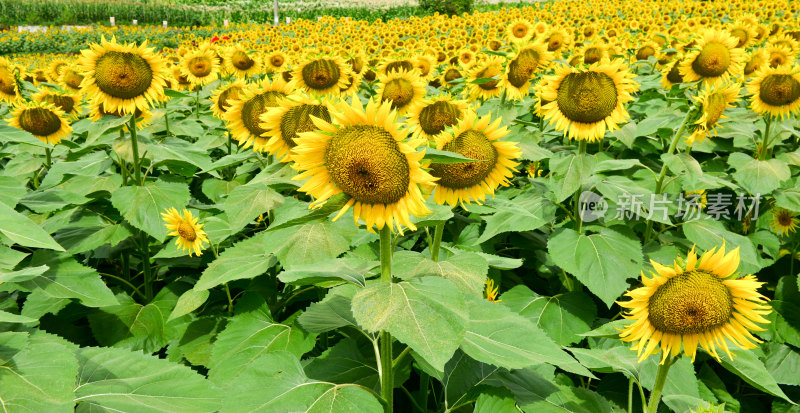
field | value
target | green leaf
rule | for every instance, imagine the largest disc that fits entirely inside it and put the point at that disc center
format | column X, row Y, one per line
column 313, row 242
column 747, row 366
column 173, row 150
column 333, row 204
column 615, row 165
column 496, row 401
column 331, row 312
column 23, row 231
column 38, row 378
column 709, row 233
column 10, row 134
column 66, row 278
column 121, row 380
column 99, row 127
column 143, row 205
column 176, row 94
column 526, row 212
column 25, row 274
column 13, row 189
column 276, row 383
column 52, row 200
column 568, row 173
column 351, row 270
column 498, row 336
column 426, row 313
column 684, row 166
column 440, row 156
column 783, row 363
column 563, row 317
column 535, row 393
column 188, row 302
column 246, row 202
column 6, row 317
column 248, row 337
column 467, row 271
column 618, row 359
column 78, row 239
column 92, row 165
column 788, row 198
column 602, row 262
column 133, row 325
column 761, row 177
column 247, row 259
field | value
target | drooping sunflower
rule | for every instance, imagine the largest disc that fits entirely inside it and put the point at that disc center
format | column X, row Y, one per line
column 522, row 67
column 584, row 103
column 424, row 65
column 57, row 68
column 9, row 88
column 72, row 79
column 646, row 49
column 200, row 66
column 179, row 81
column 67, row 102
column 716, row 58
column 241, row 63
column 744, row 33
column 755, row 60
column 325, row 75
column 367, row 157
column 403, row 90
column 474, row 138
column 290, row 118
column 450, row 74
column 189, row 234
column 671, row 74
column 221, row 97
column 779, row 55
column 122, row 77
column 243, row 116
column 775, row 91
column 43, row 120
column 695, row 302
column 783, row 221
column 480, row 85
column 714, row 100
column 433, row 115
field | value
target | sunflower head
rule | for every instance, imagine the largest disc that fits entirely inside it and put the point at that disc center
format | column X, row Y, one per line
column 243, row 118
column 72, row 79
column 241, row 63
column 189, row 234
column 402, row 89
column 714, row 100
column 9, row 88
column 784, row 222
column 716, row 58
column 292, row 117
column 775, row 91
column 432, row 116
column 484, row 82
column 222, row 97
column 200, row 66
column 68, row 103
column 522, row 68
column 321, row 75
column 40, row 119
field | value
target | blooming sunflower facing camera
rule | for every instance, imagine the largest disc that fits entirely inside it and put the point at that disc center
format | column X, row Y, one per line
column 200, row 66
column 290, row 117
column 243, row 118
column 775, row 91
column 522, row 67
column 325, row 75
column 584, row 103
column 241, row 63
column 121, row 77
column 699, row 301
column 403, row 90
column 474, row 138
column 716, row 58
column 366, row 156
column 432, row 116
column 42, row 120
column 222, row 97
column 784, row 222
column 483, row 79
column 190, row 235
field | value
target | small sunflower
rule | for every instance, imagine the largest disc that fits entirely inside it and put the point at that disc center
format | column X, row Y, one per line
column 695, row 302
column 450, row 75
column 432, row 116
column 57, row 68
column 671, row 75
column 200, row 66
column 72, row 79
column 404, row 90
column 221, row 97
column 395, row 64
column 243, row 118
column 717, row 59
column 275, row 61
column 779, row 55
column 484, row 79
column 366, row 156
column 9, row 88
column 291, row 117
column 321, row 75
column 775, row 91
column 783, row 222
column 190, row 235
column 241, row 63
column 491, row 291
column 647, row 49
column 42, row 120
column 522, row 67
column 67, row 102
column 714, row 99
column 755, row 60
column 122, row 77
column 474, row 138
column 744, row 32
column 520, row 31
column 583, row 103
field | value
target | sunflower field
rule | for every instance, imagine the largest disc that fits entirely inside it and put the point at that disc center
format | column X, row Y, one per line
column 567, row 207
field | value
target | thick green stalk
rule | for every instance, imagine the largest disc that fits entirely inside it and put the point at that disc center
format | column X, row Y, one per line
column 661, row 378
column 48, row 160
column 135, row 148
column 577, row 208
column 166, row 118
column 197, row 101
column 437, row 241
column 387, row 375
column 765, row 142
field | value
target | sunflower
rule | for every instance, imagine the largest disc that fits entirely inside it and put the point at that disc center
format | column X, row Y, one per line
column 783, row 222
column 474, row 138
column 696, row 302
column 522, row 67
column 716, row 59
column 67, row 102
column 57, row 68
column 775, row 91
column 42, row 120
column 450, row 75
column 583, row 103
column 779, row 55
column 404, row 90
column 394, row 64
column 671, row 74
column 221, row 97
column 593, row 53
column 785, row 41
column 122, row 77
column 200, row 66
column 240, row 63
column 190, row 235
column 366, row 156
column 484, row 82
column 72, row 80
column 557, row 41
column 243, row 116
column 432, row 116
column 520, row 31
column 179, row 81
column 646, row 49
column 321, row 75
column 424, row 65
column 491, row 291
column 275, row 61
column 755, row 60
column 291, row 117
column 714, row 99
column 9, row 88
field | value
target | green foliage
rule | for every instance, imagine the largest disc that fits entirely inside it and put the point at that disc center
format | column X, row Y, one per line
column 446, row 7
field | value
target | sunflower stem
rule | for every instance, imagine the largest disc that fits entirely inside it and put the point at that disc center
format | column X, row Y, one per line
column 765, row 143
column 135, row 148
column 424, row 383
column 660, row 180
column 47, row 155
column 197, row 102
column 166, row 119
column 230, row 300
column 437, row 241
column 630, row 394
column 387, row 376
column 661, row 378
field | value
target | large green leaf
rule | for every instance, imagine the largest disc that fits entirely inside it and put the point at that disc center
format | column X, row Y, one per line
column 112, row 379
column 563, row 317
column 67, row 278
column 760, row 177
column 535, row 393
column 352, row 270
column 467, row 270
column 313, row 242
column 331, row 312
column 526, row 212
column 23, row 231
column 498, row 336
column 247, row 259
column 246, row 202
column 249, row 336
column 783, row 363
column 568, row 173
column 426, row 313
column 142, row 205
column 13, row 189
column 176, row 150
column 276, row 383
column 748, row 366
column 602, row 262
